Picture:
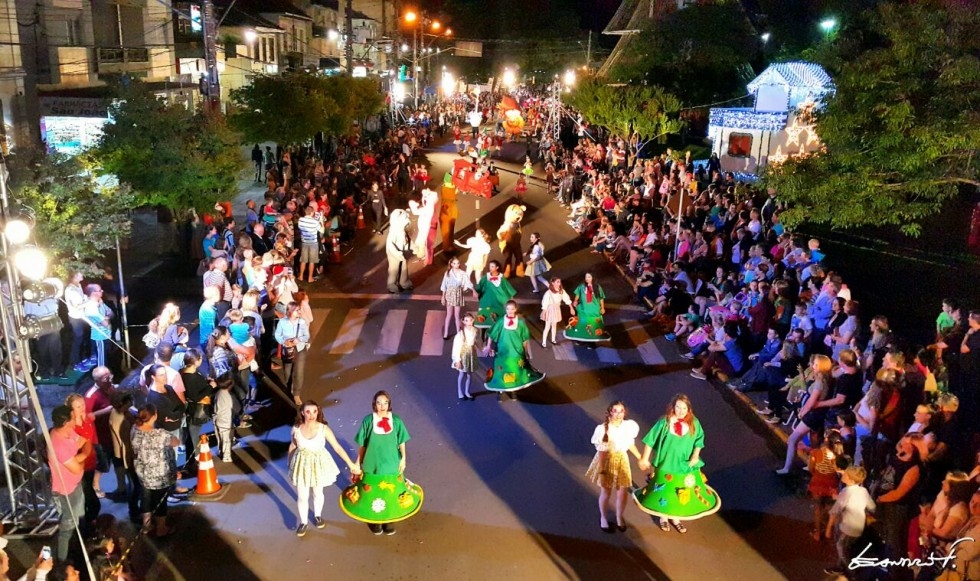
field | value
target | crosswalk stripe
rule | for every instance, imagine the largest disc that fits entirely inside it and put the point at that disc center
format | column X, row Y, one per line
column 650, row 354
column 432, row 341
column 645, row 345
column 564, row 351
column 349, row 332
column 391, row 332
column 608, row 355
column 319, row 316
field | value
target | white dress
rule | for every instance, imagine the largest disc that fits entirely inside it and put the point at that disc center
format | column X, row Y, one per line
column 311, row 465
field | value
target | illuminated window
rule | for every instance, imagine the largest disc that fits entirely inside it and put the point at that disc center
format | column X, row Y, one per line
column 739, row 145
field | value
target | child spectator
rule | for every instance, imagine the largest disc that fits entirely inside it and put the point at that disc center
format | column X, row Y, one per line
column 848, row 515
column 802, row 321
column 684, row 324
column 824, row 480
column 223, row 410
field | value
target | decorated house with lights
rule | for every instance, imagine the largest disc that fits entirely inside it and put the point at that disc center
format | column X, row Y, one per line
column 777, row 126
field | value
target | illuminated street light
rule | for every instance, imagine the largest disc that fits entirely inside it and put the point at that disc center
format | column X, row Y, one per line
column 436, row 25
column 827, row 25
column 509, row 78
column 404, row 47
column 569, row 78
column 765, row 37
column 251, row 36
column 449, row 32
column 411, row 17
column 332, row 34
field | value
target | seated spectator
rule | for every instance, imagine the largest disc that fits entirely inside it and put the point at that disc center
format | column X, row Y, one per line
column 769, row 352
column 725, row 358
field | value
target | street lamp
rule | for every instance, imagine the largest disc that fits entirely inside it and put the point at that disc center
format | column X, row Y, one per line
column 509, row 78
column 765, row 37
column 569, row 78
column 827, row 25
column 417, row 22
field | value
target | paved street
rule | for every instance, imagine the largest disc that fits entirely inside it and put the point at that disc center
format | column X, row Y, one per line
column 505, row 491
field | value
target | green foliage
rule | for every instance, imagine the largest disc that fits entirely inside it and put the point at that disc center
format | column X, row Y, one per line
column 649, row 112
column 291, row 107
column 170, row 156
column 76, row 219
column 902, row 132
column 702, row 52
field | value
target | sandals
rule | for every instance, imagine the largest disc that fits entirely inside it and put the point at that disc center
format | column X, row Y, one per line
column 99, row 493
column 680, row 527
column 665, row 526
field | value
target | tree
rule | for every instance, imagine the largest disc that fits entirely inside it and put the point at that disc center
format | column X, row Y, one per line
column 292, row 107
column 703, row 52
column 76, row 219
column 902, row 131
column 649, row 113
column 170, row 156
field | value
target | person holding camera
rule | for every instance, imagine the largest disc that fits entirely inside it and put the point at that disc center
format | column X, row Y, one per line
column 293, row 336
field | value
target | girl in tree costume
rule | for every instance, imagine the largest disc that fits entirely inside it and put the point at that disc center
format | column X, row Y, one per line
column 494, row 291
column 590, row 306
column 382, row 495
column 509, row 342
column 677, row 489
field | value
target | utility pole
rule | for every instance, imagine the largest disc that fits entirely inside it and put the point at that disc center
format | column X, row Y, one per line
column 349, row 30
column 212, row 87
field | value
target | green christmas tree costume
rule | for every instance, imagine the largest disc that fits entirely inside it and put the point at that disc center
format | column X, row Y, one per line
column 586, row 325
column 676, row 490
column 494, row 293
column 382, row 495
column 511, row 369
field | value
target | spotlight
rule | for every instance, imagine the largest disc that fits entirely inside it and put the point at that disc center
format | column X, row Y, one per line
column 17, row 231
column 34, row 326
column 31, row 262
column 37, row 291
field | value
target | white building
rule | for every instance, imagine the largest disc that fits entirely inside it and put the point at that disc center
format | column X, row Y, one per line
column 779, row 123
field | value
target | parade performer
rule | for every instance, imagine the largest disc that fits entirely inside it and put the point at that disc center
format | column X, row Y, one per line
column 311, row 467
column 397, row 248
column 454, row 284
column 464, row 356
column 510, row 345
column 512, row 121
column 537, row 264
column 677, row 489
column 590, row 306
column 551, row 310
column 448, row 212
column 494, row 291
column 509, row 237
column 520, row 188
column 610, row 467
column 479, row 247
column 382, row 495
column 424, row 244
column 528, row 166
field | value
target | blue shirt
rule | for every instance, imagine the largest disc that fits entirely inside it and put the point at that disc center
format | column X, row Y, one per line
column 206, row 315
column 734, row 354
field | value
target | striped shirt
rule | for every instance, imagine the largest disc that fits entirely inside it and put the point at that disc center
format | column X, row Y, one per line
column 309, row 229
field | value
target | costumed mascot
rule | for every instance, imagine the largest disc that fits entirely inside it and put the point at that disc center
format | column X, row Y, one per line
column 511, row 119
column 397, row 247
column 448, row 213
column 428, row 224
column 509, row 235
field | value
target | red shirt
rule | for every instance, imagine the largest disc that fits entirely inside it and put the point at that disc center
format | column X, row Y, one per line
column 87, row 431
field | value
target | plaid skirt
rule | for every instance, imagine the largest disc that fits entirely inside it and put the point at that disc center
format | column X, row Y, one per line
column 614, row 474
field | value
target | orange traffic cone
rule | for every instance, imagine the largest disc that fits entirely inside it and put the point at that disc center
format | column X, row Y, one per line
column 207, row 476
column 360, row 219
column 335, row 252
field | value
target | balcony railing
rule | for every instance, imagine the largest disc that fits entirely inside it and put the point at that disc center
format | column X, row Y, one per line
column 122, row 55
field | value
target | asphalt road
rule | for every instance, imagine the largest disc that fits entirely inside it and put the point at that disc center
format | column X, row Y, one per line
column 505, row 491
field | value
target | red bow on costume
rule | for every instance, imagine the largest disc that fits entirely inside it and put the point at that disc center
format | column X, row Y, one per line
column 510, row 319
column 385, row 424
column 494, row 278
column 588, row 293
column 678, row 427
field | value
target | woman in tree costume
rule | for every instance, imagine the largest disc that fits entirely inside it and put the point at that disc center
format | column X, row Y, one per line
column 509, row 343
column 382, row 495
column 494, row 291
column 590, row 306
column 677, row 489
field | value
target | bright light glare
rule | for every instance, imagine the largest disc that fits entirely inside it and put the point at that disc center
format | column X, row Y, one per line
column 766, row 36
column 332, row 34
column 828, row 24
column 404, row 47
column 436, row 25
column 448, row 84
column 31, row 262
column 569, row 78
column 250, row 36
column 509, row 78
column 449, row 32
column 411, row 16
column 398, row 91
column 17, row 231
